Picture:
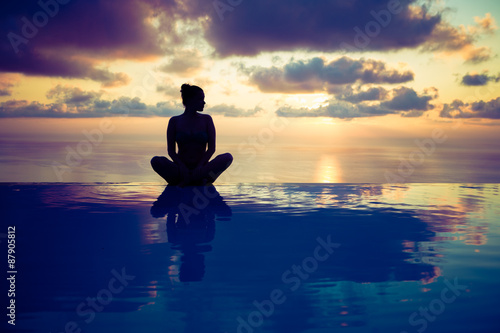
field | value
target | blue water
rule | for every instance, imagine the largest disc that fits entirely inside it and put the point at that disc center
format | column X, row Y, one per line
column 138, row 257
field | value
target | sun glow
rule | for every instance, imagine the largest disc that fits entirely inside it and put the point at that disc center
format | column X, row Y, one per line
column 327, row 170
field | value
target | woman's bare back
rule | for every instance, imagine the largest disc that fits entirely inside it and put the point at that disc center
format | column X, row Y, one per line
column 192, row 134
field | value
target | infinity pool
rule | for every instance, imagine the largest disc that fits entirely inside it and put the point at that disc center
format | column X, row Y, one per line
column 138, row 257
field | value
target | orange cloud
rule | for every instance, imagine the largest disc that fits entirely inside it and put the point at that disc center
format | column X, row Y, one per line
column 447, row 40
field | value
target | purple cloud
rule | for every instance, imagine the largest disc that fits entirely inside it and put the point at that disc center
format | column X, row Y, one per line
column 406, row 99
column 316, row 75
column 258, row 26
column 478, row 79
column 480, row 109
column 72, row 39
column 403, row 101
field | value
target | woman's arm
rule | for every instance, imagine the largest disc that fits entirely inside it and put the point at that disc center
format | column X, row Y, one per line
column 211, row 142
column 171, row 131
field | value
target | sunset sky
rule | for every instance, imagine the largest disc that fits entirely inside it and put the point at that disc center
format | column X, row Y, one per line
column 325, row 72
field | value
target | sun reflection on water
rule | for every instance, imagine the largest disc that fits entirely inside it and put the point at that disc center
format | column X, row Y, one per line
column 328, row 170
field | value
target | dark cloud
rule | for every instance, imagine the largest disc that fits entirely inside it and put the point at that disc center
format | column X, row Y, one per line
column 72, row 40
column 250, row 27
column 316, row 75
column 335, row 109
column 478, row 79
column 403, row 101
column 273, row 79
column 406, row 99
column 59, row 66
column 76, row 39
column 372, row 94
column 481, row 109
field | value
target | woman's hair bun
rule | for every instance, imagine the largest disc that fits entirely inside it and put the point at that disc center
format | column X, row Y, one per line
column 189, row 91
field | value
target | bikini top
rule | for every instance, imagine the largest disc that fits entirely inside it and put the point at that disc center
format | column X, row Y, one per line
column 196, row 137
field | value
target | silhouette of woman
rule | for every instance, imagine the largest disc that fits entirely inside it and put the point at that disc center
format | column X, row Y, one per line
column 194, row 134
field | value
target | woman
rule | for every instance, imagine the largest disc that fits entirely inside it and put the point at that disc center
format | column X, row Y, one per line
column 194, row 134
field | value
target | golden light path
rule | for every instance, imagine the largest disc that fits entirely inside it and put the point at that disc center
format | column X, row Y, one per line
column 328, row 170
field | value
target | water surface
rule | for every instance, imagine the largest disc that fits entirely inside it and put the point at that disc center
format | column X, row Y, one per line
column 133, row 257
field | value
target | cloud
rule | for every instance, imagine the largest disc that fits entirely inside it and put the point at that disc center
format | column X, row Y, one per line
column 59, row 66
column 75, row 39
column 406, row 99
column 108, row 79
column 335, row 109
column 73, row 102
column 169, row 90
column 481, row 109
column 373, row 102
column 172, row 88
column 232, row 111
column 7, row 82
column 72, row 95
column 123, row 106
column 478, row 79
column 449, row 40
column 372, row 94
column 185, row 62
column 251, row 27
column 486, row 24
column 315, row 74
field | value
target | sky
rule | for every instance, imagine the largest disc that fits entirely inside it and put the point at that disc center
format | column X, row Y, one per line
column 305, row 72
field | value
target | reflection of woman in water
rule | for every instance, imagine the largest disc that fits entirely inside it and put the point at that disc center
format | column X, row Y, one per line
column 194, row 134
column 191, row 217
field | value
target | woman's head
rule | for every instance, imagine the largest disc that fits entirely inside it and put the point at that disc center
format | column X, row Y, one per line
column 192, row 96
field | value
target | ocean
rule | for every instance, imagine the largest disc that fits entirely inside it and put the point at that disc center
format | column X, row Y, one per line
column 127, row 160
column 243, row 258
